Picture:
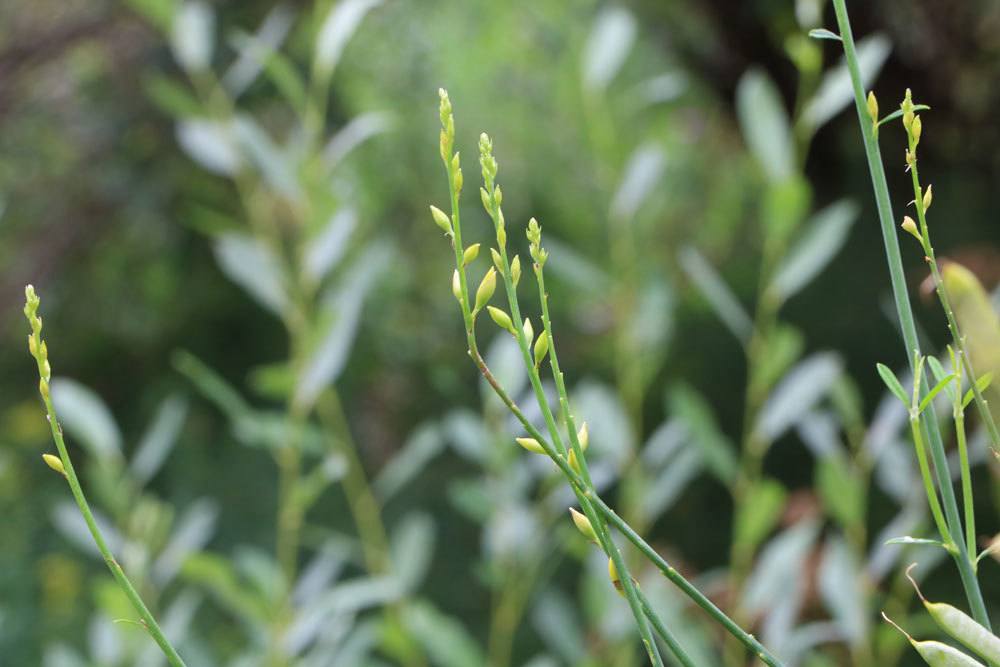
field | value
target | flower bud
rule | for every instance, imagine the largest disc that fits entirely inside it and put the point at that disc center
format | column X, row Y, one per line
column 486, row 288
column 456, row 286
column 497, row 260
column 583, row 524
column 529, row 331
column 515, row 270
column 613, row 575
column 928, row 197
column 872, row 107
column 441, row 219
column 55, row 463
column 583, row 437
column 910, row 227
column 43, row 388
column 574, row 463
column 502, row 319
column 33, row 345
column 541, row 347
column 916, row 127
column 470, row 254
column 531, row 445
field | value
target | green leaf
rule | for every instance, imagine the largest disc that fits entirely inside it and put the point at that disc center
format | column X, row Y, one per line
column 835, row 91
column 716, row 449
column 447, row 642
column 216, row 575
column 935, row 390
column 764, row 123
column 171, row 97
column 823, row 33
column 892, row 382
column 899, row 112
column 87, row 418
column 982, row 384
column 906, row 539
column 825, row 234
column 715, row 290
column 337, row 29
column 758, row 515
column 940, row 374
column 840, row 490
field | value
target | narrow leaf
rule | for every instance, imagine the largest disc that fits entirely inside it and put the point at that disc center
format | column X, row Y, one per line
column 892, row 382
column 935, row 390
column 823, row 33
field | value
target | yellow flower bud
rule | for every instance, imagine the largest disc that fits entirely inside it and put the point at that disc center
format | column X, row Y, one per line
column 928, row 197
column 456, row 286
column 470, row 254
column 515, row 270
column 872, row 107
column 613, row 575
column 497, row 260
column 441, row 219
column 55, row 463
column 583, row 524
column 910, row 227
column 502, row 319
column 33, row 345
column 529, row 331
column 486, row 288
column 574, row 463
column 583, row 436
column 43, row 388
column 541, row 347
column 915, row 129
column 531, row 445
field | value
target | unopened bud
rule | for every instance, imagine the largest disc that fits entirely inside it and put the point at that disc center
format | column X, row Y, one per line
column 583, row 437
column 574, row 463
column 529, row 331
column 928, row 197
column 916, row 127
column 470, row 254
column 613, row 575
column 33, row 345
column 502, row 319
column 515, row 270
column 541, row 347
column 486, row 288
column 43, row 388
column 910, row 227
column 872, row 107
column 497, row 260
column 531, row 445
column 456, row 286
column 55, row 463
column 583, row 524
column 441, row 219
column 497, row 195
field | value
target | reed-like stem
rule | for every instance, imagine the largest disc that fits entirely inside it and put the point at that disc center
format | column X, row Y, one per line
column 65, row 466
column 928, row 423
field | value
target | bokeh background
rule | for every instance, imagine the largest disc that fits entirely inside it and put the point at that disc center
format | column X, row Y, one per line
column 150, row 149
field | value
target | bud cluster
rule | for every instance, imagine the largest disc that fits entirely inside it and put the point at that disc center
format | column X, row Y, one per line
column 36, row 346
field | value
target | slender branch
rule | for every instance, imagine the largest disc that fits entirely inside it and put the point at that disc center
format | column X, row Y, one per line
column 64, row 466
column 909, row 331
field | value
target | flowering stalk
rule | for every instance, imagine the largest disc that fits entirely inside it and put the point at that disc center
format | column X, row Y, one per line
column 64, row 466
column 928, row 425
column 571, row 461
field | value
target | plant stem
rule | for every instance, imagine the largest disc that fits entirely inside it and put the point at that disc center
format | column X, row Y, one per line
column 69, row 472
column 969, row 511
column 942, row 293
column 905, row 314
column 925, row 475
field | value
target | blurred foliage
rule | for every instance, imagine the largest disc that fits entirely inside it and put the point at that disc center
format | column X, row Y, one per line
column 610, row 122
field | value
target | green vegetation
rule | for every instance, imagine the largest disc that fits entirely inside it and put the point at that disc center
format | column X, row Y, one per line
column 276, row 449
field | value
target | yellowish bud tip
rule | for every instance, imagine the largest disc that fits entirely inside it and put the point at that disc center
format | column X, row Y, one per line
column 910, row 227
column 486, row 288
column 470, row 254
column 502, row 319
column 583, row 524
column 531, row 445
column 55, row 463
column 872, row 107
column 574, row 463
column 541, row 348
column 515, row 270
column 928, row 197
column 613, row 575
column 529, row 331
column 456, row 285
column 441, row 220
column 583, row 436
column 43, row 388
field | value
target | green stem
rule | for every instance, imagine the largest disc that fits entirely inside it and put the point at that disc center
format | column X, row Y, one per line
column 905, row 313
column 942, row 294
column 116, row 570
column 963, row 457
column 925, row 475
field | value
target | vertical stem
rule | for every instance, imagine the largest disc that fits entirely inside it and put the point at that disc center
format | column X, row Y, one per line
column 909, row 331
column 963, row 457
